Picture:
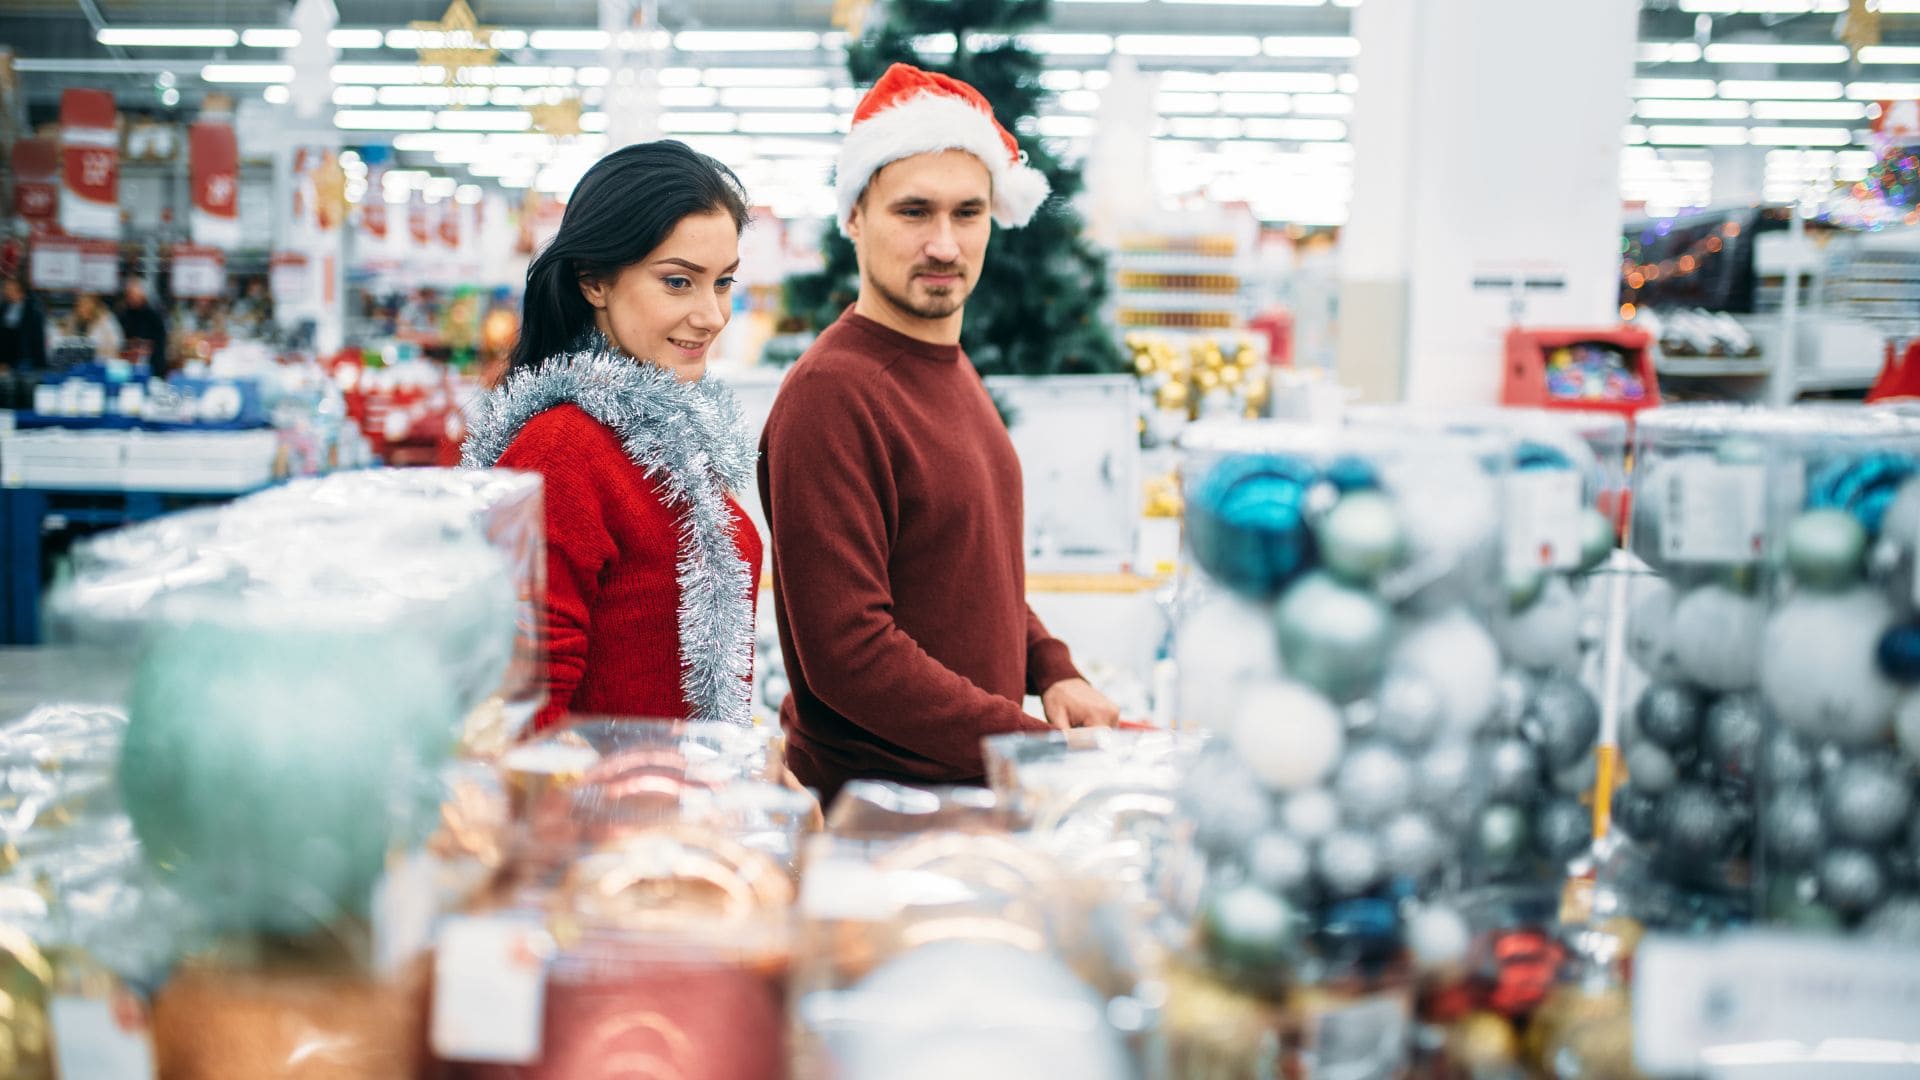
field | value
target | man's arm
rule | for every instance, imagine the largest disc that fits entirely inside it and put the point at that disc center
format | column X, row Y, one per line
column 828, row 493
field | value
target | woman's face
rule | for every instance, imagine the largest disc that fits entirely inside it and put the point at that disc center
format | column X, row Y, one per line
column 671, row 305
column 86, row 308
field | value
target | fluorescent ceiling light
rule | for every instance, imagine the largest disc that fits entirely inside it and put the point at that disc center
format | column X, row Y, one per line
column 1283, row 82
column 507, row 95
column 593, row 121
column 406, row 177
column 508, row 39
column 1900, row 7
column 434, row 96
column 1801, row 136
column 1079, row 101
column 1633, row 134
column 168, row 37
column 1773, row 88
column 707, row 122
column 1320, row 45
column 1261, row 3
column 1673, row 88
column 1323, row 104
column 1778, row 54
column 1696, row 135
column 789, row 123
column 436, row 141
column 1890, row 54
column 277, row 94
column 246, row 73
column 268, row 38
column 1064, row 127
column 778, row 146
column 776, row 97
column 484, row 120
column 1204, row 127
column 758, row 77
column 1068, row 44
column 570, row 40
column 467, row 194
column 1883, row 91
column 746, row 40
column 598, row 76
column 441, row 187
column 689, row 97
column 1669, row 52
column 356, row 96
column 359, row 38
column 1256, row 104
column 503, row 167
column 1060, row 80
column 383, row 120
column 1299, row 130
column 1691, row 109
column 378, row 74
column 1187, row 45
column 1764, row 7
column 1809, row 110
column 1186, row 103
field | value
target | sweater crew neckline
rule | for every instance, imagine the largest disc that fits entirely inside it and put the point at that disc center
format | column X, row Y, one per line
column 894, row 339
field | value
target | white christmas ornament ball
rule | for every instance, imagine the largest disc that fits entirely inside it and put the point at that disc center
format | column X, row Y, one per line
column 1818, row 670
column 1650, row 630
column 1716, row 637
column 1310, row 814
column 1454, row 654
column 1906, row 727
column 1373, row 783
column 960, row 988
column 1288, row 735
column 1220, row 646
column 1438, row 937
column 1546, row 634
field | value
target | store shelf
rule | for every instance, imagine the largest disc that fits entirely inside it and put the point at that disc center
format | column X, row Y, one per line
column 1710, row 367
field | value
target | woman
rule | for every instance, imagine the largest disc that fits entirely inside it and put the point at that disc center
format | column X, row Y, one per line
column 92, row 320
column 652, row 567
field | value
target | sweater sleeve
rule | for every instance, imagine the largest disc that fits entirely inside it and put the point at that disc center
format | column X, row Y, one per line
column 579, row 547
column 1048, row 660
column 829, row 501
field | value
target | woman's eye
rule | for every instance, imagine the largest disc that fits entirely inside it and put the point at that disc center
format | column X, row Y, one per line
column 724, row 284
column 678, row 282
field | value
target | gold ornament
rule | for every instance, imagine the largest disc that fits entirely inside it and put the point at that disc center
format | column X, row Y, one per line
column 1861, row 26
column 1231, row 374
column 456, row 42
column 1142, row 364
column 1173, row 397
column 559, row 120
column 1207, row 378
column 1482, row 1043
column 26, row 981
column 851, row 16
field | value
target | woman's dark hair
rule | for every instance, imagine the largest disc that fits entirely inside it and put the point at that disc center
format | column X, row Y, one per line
column 623, row 208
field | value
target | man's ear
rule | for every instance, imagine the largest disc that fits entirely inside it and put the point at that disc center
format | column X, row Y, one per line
column 853, row 219
column 595, row 289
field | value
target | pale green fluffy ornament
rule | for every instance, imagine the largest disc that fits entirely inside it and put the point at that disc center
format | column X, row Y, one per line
column 267, row 770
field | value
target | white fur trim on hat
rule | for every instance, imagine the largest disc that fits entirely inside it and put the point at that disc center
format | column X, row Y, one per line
column 927, row 123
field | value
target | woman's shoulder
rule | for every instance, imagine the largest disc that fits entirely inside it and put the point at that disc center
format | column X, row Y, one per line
column 565, row 432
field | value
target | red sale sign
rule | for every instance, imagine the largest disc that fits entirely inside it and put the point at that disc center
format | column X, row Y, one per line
column 213, row 156
column 450, row 225
column 90, row 164
column 36, row 182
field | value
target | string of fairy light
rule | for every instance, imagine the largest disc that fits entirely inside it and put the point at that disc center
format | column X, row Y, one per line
column 1636, row 275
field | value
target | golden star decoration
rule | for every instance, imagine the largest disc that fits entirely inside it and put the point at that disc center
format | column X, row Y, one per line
column 456, row 42
column 329, row 191
column 851, row 15
column 559, row 119
column 1861, row 27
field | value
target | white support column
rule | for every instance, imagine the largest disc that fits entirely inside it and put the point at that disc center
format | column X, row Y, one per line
column 1487, row 141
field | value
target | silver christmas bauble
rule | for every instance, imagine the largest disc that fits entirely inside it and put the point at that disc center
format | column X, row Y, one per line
column 1439, row 937
column 1649, row 767
column 1410, row 845
column 1562, row 829
column 1333, row 637
column 1454, row 654
column 1637, row 812
column 1669, row 714
column 1578, row 778
column 1513, row 770
column 1310, row 814
column 1277, row 862
column 1792, row 828
column 1820, row 674
column 1373, row 783
column 1735, row 727
column 1868, row 800
column 1516, row 697
column 1445, row 773
column 1545, row 635
column 1787, row 759
column 1563, row 720
column 1716, row 637
column 1500, row 835
column 1288, row 736
column 1896, row 920
column 1228, row 814
column 1250, row 929
column 1222, row 645
column 1851, row 880
column 1650, row 630
column 1362, row 537
column 1409, row 710
column 1697, row 824
column 1347, row 861
column 1906, row 724
column 1826, row 549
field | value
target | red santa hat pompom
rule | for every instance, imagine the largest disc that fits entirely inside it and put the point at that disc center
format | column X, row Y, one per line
column 910, row 111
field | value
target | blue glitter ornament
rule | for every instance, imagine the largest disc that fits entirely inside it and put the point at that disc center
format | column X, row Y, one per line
column 1352, row 474
column 1530, row 456
column 1863, row 486
column 1247, row 525
column 1899, row 653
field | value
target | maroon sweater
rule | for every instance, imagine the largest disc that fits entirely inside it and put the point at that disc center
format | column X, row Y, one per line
column 893, row 496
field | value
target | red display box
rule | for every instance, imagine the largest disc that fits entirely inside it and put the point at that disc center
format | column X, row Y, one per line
column 1528, row 350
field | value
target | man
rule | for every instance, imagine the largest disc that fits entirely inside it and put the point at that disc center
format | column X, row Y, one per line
column 23, row 327
column 891, row 488
column 143, row 324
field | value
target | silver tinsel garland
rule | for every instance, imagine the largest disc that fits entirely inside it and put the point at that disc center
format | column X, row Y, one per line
column 691, row 439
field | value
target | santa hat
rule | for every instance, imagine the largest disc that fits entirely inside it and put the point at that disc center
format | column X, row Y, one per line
column 910, row 111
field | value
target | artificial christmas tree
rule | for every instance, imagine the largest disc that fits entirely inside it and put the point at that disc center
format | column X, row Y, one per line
column 1036, row 309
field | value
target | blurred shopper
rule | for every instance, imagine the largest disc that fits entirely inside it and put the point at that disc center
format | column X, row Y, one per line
column 92, row 320
column 23, row 327
column 142, row 323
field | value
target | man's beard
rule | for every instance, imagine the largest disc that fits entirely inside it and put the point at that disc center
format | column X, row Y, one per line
column 939, row 303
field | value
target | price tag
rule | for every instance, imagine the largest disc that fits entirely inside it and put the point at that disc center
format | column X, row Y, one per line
column 1543, row 519
column 1770, row 999
column 100, row 1038
column 1362, row 1041
column 489, row 989
column 198, row 272
column 1712, row 511
column 56, row 265
column 100, row 268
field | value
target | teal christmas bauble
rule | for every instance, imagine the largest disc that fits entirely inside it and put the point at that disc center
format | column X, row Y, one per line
column 1826, row 549
column 1597, row 538
column 1252, row 932
column 1247, row 522
column 1500, row 835
column 266, row 771
column 1362, row 537
column 1899, row 653
column 1334, row 637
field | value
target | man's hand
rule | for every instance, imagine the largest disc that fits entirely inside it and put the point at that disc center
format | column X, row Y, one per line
column 1072, row 703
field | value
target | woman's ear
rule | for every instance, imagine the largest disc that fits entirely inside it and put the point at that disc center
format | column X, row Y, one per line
column 595, row 289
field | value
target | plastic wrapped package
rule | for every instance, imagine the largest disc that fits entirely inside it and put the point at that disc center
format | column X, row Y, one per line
column 640, row 927
column 288, row 558
column 960, row 950
column 1763, row 705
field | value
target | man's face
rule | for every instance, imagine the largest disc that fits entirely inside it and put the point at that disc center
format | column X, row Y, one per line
column 921, row 232
column 136, row 292
column 14, row 293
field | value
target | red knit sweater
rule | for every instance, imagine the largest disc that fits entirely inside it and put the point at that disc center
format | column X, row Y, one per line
column 894, row 498
column 613, row 598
